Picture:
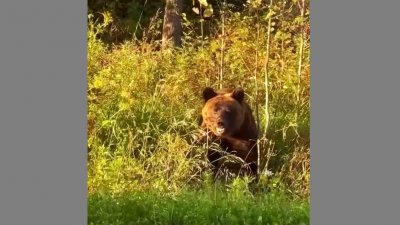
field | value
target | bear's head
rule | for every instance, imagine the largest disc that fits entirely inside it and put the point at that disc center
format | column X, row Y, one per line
column 223, row 112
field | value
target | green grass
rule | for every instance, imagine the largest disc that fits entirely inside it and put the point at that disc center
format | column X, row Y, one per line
column 143, row 108
column 197, row 207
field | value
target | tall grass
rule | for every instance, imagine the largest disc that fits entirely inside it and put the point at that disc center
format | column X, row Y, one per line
column 197, row 207
column 144, row 104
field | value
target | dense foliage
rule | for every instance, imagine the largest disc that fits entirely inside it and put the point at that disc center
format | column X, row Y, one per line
column 144, row 103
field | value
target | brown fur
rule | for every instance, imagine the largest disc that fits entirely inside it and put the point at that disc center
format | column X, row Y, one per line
column 228, row 120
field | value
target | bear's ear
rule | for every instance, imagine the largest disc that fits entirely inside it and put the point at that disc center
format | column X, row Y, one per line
column 208, row 93
column 238, row 94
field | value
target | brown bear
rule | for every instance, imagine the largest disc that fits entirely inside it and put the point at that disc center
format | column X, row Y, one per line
column 228, row 120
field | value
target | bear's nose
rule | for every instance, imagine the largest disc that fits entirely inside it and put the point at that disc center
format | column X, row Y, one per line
column 220, row 124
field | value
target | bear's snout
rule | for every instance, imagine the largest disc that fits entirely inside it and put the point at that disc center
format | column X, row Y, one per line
column 220, row 129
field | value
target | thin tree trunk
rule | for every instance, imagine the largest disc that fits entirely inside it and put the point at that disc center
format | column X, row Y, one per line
column 221, row 72
column 266, row 71
column 301, row 39
column 257, row 113
column 299, row 70
column 172, row 27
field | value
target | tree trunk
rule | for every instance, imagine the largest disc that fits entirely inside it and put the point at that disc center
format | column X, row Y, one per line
column 172, row 27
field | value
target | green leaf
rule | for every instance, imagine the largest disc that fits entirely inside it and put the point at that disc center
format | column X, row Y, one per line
column 269, row 15
column 196, row 10
column 203, row 3
column 106, row 122
column 208, row 12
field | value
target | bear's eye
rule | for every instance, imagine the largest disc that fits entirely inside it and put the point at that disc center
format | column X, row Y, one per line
column 230, row 110
column 224, row 110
